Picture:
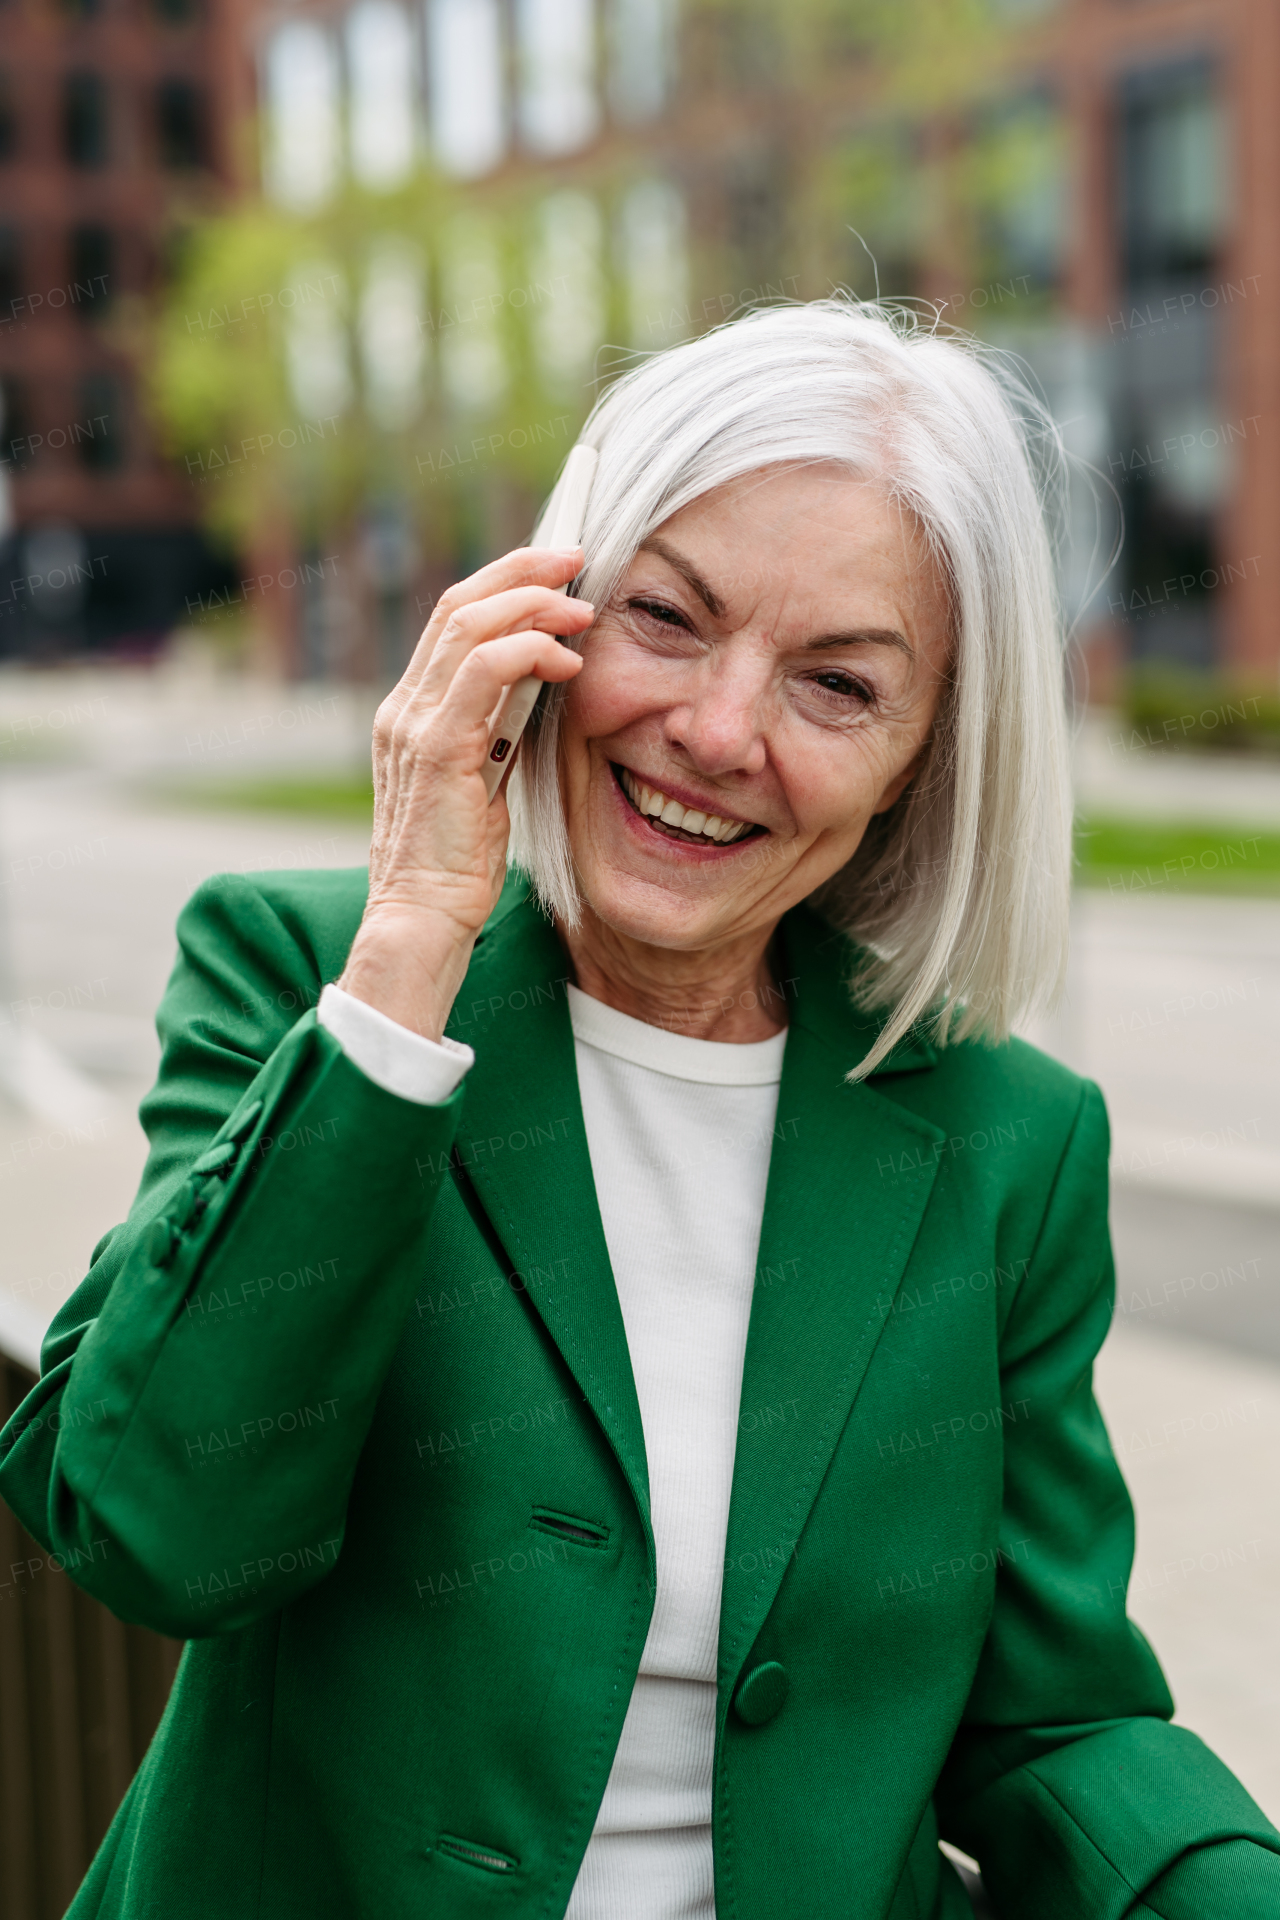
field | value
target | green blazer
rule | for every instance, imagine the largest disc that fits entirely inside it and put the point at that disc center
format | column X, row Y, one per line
column 347, row 1405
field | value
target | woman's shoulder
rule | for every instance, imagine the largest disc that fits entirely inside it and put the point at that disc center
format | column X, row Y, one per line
column 954, row 1083
column 314, row 894
column 1012, row 1068
column 1005, row 1092
column 305, row 916
column 275, row 937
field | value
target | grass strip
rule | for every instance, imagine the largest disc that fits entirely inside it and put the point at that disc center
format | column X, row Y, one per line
column 336, row 796
column 1144, row 856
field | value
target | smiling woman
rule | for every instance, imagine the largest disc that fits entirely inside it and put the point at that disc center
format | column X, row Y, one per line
column 700, row 1507
column 833, row 480
column 770, row 709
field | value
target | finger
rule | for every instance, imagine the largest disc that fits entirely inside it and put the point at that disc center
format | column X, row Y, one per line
column 518, row 611
column 527, row 566
column 481, row 677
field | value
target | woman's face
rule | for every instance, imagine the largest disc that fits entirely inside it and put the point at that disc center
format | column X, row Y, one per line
column 771, row 661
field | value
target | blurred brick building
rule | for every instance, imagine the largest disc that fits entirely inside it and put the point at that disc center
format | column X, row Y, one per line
column 1172, row 264
column 669, row 165
column 118, row 124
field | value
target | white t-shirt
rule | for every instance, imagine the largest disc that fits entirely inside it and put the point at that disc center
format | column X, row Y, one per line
column 679, row 1132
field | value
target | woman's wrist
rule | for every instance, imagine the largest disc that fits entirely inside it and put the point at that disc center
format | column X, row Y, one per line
column 409, row 965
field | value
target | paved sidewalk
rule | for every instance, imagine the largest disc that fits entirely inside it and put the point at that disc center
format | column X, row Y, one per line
column 1173, row 999
column 1197, row 1433
column 93, row 874
column 1116, row 772
column 1173, row 1006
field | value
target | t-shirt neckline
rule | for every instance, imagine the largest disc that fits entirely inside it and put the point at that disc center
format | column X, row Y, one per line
column 754, row 1063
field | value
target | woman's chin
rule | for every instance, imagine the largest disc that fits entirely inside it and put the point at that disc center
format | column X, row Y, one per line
column 673, row 909
column 665, row 888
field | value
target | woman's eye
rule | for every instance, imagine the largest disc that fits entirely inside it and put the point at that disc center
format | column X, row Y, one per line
column 658, row 610
column 844, row 685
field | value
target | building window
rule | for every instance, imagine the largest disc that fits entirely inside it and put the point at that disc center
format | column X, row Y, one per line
column 465, row 65
column 10, row 271
column 15, row 423
column 393, row 345
column 1175, row 196
column 473, row 360
column 382, row 67
column 84, row 119
column 317, row 355
column 99, row 429
column 92, row 259
column 559, row 111
column 1173, row 157
column 8, row 118
column 301, row 86
column 56, row 562
column 567, row 293
column 1020, row 190
column 755, row 214
column 641, row 43
column 180, row 124
column 170, row 252
column 654, row 261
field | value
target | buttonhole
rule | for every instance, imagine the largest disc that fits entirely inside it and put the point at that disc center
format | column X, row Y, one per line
column 486, row 1858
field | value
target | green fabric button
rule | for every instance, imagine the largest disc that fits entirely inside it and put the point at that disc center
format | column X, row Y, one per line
column 183, row 1206
column 216, row 1158
column 160, row 1241
column 762, row 1693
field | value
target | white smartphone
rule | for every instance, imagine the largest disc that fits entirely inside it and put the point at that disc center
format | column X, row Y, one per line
column 561, row 528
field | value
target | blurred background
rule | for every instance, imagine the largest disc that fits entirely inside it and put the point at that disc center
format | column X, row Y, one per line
column 301, row 307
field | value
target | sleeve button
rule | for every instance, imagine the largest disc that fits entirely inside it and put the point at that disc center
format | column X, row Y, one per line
column 160, row 1241
column 183, row 1206
column 216, row 1158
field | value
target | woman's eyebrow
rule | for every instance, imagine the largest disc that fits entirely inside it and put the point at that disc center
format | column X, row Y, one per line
column 685, row 568
column 855, row 637
column 865, row 637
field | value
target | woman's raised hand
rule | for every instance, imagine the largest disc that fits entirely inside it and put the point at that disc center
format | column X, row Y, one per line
column 438, row 854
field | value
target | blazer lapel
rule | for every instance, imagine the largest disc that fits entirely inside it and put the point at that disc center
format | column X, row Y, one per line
column 522, row 1143
column 849, row 1179
column 850, row 1176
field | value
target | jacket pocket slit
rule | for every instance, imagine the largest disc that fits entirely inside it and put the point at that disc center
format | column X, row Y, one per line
column 567, row 1526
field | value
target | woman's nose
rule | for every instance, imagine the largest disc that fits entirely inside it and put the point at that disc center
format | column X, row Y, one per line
column 722, row 726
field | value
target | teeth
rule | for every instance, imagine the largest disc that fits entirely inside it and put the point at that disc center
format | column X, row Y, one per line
column 648, row 800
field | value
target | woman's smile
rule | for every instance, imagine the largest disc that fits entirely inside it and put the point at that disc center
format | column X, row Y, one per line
column 683, row 820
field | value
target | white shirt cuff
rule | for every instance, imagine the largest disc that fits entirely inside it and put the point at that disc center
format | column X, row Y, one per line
column 393, row 1057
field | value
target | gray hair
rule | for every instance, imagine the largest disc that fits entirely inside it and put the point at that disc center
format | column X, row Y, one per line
column 959, row 893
